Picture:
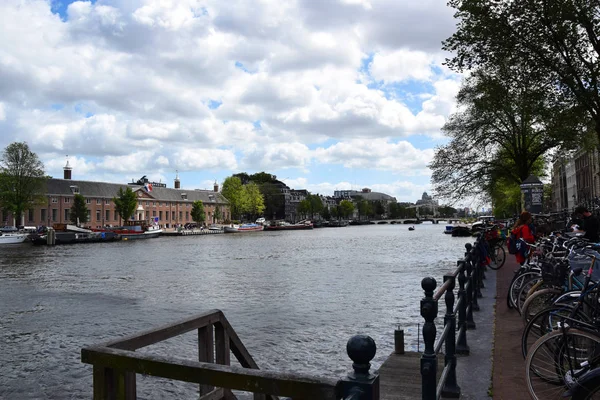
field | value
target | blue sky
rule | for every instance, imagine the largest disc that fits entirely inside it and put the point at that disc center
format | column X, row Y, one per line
column 211, row 88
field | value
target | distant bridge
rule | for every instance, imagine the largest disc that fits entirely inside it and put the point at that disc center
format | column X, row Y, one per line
column 433, row 220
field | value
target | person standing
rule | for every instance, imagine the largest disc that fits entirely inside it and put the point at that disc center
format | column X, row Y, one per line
column 589, row 226
column 523, row 231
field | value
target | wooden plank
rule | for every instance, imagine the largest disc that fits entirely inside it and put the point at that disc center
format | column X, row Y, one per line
column 216, row 394
column 155, row 335
column 231, row 377
column 237, row 347
column 400, row 376
column 102, row 382
column 222, row 345
column 206, row 352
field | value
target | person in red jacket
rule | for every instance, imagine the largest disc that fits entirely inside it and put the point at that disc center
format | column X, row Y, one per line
column 523, row 231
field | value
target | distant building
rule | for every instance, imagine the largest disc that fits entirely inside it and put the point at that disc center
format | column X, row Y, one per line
column 168, row 207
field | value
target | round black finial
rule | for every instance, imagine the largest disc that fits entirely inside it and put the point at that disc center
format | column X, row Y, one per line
column 361, row 349
column 428, row 284
column 468, row 246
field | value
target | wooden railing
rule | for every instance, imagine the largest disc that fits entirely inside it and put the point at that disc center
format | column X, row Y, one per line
column 470, row 275
column 115, row 365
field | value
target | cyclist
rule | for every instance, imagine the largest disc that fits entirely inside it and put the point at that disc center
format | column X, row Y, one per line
column 522, row 230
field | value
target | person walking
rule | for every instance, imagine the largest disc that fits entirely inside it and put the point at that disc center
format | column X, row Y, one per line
column 523, row 231
column 589, row 226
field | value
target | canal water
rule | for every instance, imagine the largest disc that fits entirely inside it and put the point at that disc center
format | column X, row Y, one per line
column 294, row 298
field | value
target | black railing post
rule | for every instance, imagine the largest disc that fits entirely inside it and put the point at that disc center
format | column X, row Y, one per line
column 479, row 272
column 474, row 268
column 429, row 358
column 360, row 384
column 461, row 344
column 469, row 294
column 451, row 388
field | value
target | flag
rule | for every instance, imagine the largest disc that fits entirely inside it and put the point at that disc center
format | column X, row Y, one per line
column 148, row 187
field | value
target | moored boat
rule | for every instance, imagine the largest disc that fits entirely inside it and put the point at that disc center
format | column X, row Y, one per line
column 13, row 238
column 286, row 226
column 133, row 230
column 461, row 231
column 243, row 228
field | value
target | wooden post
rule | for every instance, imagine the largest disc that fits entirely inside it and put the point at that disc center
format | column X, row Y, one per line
column 399, row 341
column 206, row 351
column 450, row 388
column 461, row 343
column 429, row 359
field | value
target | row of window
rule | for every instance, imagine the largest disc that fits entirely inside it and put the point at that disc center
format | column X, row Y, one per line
column 108, row 202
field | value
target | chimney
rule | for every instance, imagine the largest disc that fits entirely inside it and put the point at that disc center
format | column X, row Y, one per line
column 67, row 170
column 216, row 187
column 177, row 183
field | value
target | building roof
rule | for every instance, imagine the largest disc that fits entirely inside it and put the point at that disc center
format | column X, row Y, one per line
column 62, row 187
column 373, row 196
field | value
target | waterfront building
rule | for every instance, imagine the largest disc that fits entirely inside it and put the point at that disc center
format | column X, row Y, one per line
column 576, row 180
column 166, row 206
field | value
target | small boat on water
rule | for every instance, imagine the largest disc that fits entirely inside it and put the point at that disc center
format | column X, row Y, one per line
column 133, row 230
column 244, row 228
column 461, row 231
column 13, row 238
column 286, row 226
column 72, row 234
column 411, row 228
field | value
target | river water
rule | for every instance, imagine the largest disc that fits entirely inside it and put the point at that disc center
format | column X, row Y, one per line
column 294, row 298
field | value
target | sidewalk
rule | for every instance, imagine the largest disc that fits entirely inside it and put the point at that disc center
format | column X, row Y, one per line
column 509, row 365
column 495, row 368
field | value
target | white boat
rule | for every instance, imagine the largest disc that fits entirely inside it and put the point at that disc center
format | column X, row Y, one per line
column 13, row 238
column 243, row 228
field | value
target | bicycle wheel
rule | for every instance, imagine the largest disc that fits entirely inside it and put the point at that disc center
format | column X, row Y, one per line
column 545, row 322
column 515, row 287
column 538, row 300
column 528, row 287
column 552, row 360
column 498, row 256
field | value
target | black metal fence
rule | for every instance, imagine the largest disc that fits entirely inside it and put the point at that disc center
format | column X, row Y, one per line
column 458, row 318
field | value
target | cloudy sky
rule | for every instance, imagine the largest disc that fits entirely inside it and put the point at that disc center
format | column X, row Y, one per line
column 325, row 94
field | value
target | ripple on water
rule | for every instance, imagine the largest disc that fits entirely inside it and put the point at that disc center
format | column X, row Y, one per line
column 294, row 298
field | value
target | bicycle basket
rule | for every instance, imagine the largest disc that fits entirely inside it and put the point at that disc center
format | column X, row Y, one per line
column 554, row 272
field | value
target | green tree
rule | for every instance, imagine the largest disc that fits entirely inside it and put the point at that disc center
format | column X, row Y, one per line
column 125, row 203
column 304, row 208
column 253, row 202
column 557, row 40
column 198, row 212
column 346, row 208
column 506, row 124
column 22, row 180
column 274, row 200
column 79, row 210
column 325, row 214
column 233, row 191
column 378, row 208
column 363, row 207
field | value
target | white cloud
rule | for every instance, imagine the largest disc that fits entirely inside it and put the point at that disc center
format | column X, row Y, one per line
column 401, row 157
column 116, row 80
column 402, row 65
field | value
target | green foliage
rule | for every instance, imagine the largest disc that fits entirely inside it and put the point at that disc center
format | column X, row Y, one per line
column 232, row 190
column 22, row 179
column 274, row 200
column 378, row 208
column 507, row 123
column 346, row 208
column 304, row 207
column 125, row 203
column 254, row 203
column 556, row 40
column 446, row 211
column 197, row 212
column 79, row 210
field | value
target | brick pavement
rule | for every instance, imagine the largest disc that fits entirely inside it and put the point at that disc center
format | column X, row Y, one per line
column 508, row 366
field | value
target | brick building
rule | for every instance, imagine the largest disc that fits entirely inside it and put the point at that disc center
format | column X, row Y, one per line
column 168, row 206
